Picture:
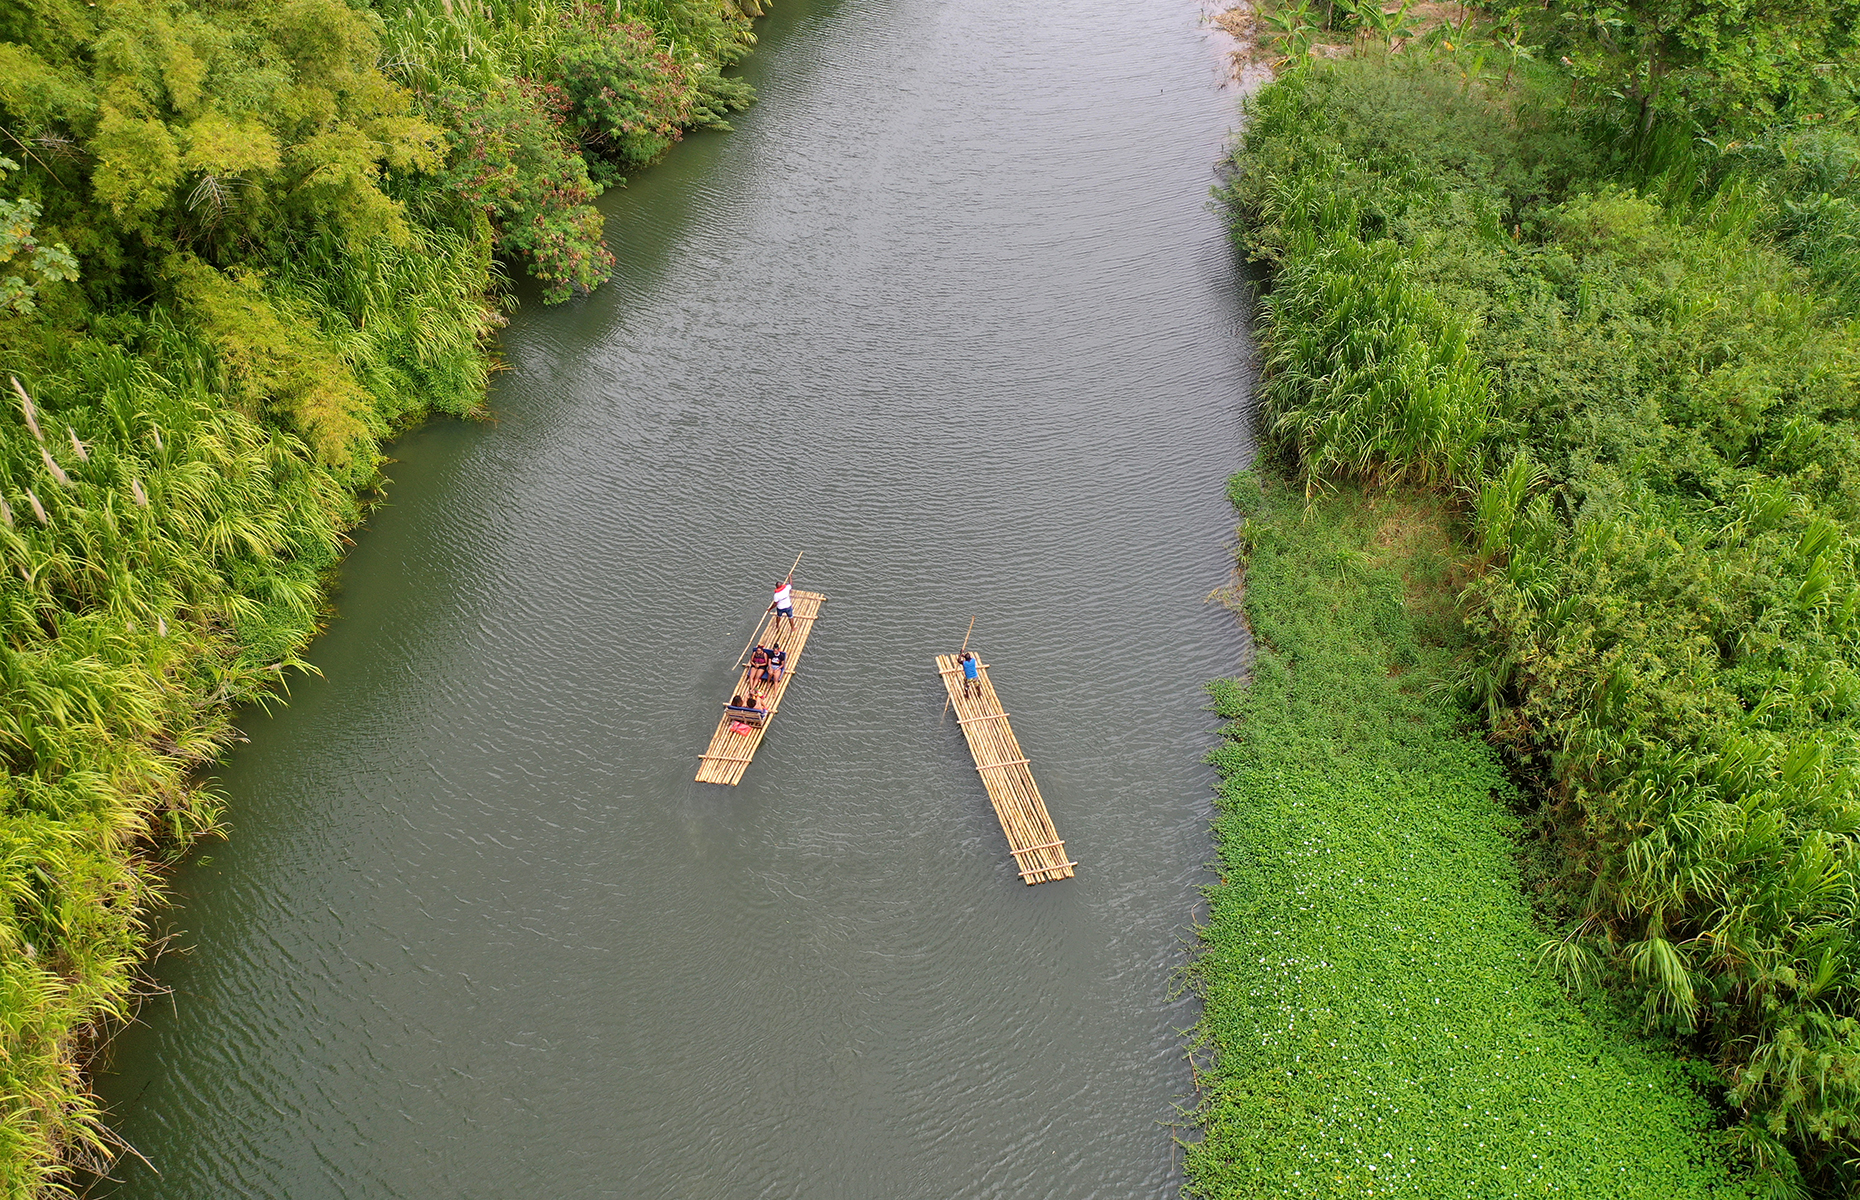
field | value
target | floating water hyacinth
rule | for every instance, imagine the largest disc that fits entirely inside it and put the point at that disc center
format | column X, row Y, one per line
column 77, row 447
column 141, row 497
column 38, row 510
column 51, row 464
column 25, row 406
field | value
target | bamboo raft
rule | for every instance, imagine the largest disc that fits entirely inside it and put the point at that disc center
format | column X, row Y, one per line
column 1039, row 854
column 730, row 749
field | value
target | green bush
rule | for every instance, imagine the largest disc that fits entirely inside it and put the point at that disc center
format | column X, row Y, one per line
column 1664, row 495
column 628, row 94
column 513, row 159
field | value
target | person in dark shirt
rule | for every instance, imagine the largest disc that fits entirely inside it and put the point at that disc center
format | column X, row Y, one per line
column 758, row 669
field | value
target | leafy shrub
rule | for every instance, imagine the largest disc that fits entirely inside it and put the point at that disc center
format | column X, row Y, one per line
column 512, row 158
column 26, row 263
column 629, row 95
column 1665, row 496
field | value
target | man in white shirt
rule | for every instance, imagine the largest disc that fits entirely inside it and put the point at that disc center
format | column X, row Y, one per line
column 784, row 602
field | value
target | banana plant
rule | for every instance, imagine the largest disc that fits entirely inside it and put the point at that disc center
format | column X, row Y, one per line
column 1292, row 29
column 1390, row 25
column 1509, row 35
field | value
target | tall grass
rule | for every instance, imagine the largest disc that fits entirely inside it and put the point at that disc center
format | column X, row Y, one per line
column 435, row 44
column 175, row 572
column 1373, row 378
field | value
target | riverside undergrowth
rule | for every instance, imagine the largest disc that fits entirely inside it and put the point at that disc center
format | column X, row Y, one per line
column 1376, row 1020
column 1626, row 353
column 241, row 243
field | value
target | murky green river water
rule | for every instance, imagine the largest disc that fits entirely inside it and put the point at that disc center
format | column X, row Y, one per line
column 949, row 312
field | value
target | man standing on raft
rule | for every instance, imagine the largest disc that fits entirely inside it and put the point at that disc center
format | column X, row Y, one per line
column 784, row 602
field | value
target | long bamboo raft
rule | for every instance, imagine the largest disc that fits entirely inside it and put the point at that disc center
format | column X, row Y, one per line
column 1039, row 854
column 731, row 748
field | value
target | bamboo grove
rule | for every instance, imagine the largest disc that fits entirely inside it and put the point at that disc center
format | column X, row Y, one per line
column 1608, row 310
column 240, row 244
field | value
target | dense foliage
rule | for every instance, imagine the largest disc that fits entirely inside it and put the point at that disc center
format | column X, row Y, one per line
column 513, row 158
column 240, row 243
column 1633, row 356
column 1377, row 1023
column 1735, row 65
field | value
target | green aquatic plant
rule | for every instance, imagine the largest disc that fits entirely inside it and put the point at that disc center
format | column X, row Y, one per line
column 1374, row 1020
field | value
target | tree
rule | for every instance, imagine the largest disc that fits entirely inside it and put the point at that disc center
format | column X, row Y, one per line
column 25, row 262
column 512, row 157
column 1736, row 64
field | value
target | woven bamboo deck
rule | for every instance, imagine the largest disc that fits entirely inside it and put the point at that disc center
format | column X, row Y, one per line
column 730, row 751
column 1039, row 854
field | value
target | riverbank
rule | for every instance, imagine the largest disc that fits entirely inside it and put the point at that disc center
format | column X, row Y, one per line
column 1376, row 1023
column 1621, row 354
column 243, row 249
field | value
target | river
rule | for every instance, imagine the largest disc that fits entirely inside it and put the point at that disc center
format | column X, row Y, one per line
column 949, row 311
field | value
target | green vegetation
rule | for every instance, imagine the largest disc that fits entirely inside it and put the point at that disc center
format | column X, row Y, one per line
column 241, row 243
column 1379, row 1023
column 1615, row 326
